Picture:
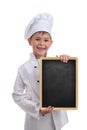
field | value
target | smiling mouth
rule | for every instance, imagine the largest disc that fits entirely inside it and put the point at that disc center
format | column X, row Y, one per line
column 41, row 48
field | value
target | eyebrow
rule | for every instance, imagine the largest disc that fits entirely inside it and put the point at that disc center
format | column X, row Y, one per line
column 43, row 38
column 37, row 37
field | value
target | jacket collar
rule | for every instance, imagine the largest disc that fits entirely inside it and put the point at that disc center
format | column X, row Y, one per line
column 34, row 61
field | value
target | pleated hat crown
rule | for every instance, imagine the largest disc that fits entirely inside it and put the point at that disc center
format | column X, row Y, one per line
column 42, row 22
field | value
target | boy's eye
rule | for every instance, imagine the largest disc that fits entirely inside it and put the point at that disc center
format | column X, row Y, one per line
column 37, row 39
column 46, row 40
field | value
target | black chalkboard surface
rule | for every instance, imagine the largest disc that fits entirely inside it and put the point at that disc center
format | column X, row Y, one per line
column 58, row 83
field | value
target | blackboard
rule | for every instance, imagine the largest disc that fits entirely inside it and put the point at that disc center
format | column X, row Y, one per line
column 58, row 83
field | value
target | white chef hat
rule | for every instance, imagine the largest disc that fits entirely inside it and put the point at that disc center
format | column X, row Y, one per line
column 42, row 22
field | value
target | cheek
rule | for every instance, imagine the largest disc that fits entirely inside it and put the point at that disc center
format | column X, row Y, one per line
column 48, row 46
column 34, row 45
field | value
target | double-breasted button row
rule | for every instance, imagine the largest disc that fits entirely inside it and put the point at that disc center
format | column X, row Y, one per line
column 35, row 66
column 38, row 81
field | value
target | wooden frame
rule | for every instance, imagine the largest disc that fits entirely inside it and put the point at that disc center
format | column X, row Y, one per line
column 59, row 83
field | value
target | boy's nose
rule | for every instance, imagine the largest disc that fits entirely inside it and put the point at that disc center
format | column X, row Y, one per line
column 41, row 42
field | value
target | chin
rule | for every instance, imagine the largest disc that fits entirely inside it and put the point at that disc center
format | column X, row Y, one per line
column 42, row 55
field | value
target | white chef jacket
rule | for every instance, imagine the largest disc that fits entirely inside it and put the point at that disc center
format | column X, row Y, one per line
column 27, row 95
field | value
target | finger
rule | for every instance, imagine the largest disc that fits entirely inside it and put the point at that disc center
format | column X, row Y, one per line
column 51, row 108
column 47, row 109
column 62, row 58
column 67, row 58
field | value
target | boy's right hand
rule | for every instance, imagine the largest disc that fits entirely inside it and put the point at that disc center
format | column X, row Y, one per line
column 46, row 110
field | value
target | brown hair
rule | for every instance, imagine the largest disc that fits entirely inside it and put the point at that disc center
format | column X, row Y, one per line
column 42, row 32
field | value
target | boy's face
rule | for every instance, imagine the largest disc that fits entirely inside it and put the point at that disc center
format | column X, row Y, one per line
column 40, row 43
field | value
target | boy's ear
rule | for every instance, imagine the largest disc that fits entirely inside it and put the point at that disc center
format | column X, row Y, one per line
column 51, row 43
column 29, row 41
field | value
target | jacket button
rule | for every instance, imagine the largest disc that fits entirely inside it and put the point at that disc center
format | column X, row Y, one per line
column 35, row 66
column 38, row 81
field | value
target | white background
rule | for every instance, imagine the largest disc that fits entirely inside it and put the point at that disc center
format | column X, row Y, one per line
column 69, row 36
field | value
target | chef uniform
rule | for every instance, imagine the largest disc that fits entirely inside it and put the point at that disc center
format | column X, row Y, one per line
column 27, row 94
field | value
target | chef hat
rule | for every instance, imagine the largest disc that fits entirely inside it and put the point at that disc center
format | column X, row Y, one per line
column 42, row 22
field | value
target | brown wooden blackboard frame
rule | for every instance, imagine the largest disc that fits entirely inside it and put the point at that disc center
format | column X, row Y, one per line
column 76, row 82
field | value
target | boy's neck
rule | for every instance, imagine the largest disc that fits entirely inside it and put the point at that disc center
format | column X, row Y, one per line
column 38, row 57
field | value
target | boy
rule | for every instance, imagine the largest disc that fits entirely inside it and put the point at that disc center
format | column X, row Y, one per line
column 26, row 88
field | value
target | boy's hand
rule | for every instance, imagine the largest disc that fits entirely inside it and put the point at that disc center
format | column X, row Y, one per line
column 64, row 58
column 46, row 110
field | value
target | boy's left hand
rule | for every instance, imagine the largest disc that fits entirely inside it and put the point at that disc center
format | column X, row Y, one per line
column 64, row 58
